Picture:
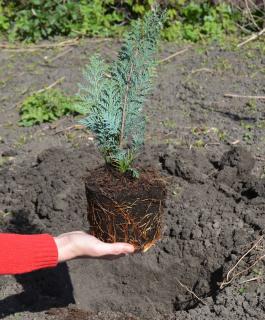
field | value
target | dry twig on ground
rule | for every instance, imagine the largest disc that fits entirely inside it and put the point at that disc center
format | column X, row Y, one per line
column 202, row 70
column 252, row 37
column 173, row 55
column 41, row 90
column 50, row 86
column 30, row 48
column 232, row 95
column 61, row 54
column 71, row 42
column 73, row 127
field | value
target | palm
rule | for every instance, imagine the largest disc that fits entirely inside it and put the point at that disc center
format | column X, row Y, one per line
column 80, row 244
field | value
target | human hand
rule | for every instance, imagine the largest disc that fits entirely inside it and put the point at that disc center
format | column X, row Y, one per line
column 80, row 244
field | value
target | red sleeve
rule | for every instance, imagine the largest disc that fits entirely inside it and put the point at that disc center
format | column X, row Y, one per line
column 25, row 253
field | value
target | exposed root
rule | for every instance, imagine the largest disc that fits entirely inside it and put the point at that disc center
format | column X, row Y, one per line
column 232, row 274
column 191, row 292
column 112, row 222
column 253, row 279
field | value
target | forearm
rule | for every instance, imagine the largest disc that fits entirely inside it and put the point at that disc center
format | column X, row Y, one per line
column 25, row 253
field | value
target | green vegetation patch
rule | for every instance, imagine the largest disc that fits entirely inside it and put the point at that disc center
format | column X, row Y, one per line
column 34, row 20
column 46, row 106
column 198, row 21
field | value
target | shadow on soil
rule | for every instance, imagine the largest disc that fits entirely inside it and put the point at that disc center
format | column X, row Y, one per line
column 43, row 289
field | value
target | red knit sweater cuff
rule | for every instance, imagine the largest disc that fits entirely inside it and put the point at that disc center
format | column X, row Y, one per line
column 25, row 253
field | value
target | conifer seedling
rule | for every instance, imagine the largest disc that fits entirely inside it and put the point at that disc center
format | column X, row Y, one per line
column 114, row 95
column 124, row 203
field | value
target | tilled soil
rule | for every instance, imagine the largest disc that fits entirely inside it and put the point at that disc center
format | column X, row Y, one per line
column 209, row 149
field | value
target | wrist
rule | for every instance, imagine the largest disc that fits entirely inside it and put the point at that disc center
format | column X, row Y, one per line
column 65, row 247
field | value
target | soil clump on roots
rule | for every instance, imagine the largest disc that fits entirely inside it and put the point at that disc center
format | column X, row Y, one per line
column 125, row 209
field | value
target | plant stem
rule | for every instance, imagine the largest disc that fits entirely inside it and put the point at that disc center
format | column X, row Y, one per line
column 124, row 108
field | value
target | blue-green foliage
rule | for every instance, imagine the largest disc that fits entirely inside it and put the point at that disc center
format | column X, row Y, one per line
column 114, row 95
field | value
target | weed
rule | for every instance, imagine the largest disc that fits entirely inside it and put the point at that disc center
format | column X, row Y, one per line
column 250, row 54
column 199, row 131
column 177, row 190
column 22, row 140
column 248, row 137
column 223, row 65
column 199, row 143
column 5, row 160
column 8, row 125
column 257, row 272
column 2, row 161
column 252, row 105
column 242, row 290
column 169, row 124
column 172, row 141
column 246, row 125
column 46, row 106
column 70, row 136
column 248, row 134
column 222, row 135
column 261, row 124
column 208, row 132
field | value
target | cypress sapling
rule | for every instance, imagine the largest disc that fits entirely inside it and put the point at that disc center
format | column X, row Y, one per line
column 121, row 206
column 114, row 95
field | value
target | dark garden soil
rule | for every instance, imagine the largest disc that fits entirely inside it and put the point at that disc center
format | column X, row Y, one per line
column 209, row 148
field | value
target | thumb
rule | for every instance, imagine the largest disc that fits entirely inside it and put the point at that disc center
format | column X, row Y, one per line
column 116, row 248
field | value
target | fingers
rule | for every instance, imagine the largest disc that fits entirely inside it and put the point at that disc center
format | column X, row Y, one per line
column 118, row 248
